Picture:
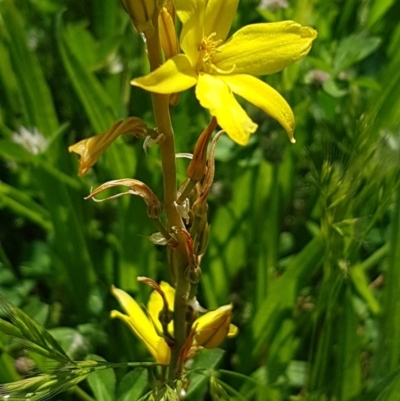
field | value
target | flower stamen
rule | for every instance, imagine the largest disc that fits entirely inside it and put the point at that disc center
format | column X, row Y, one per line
column 208, row 48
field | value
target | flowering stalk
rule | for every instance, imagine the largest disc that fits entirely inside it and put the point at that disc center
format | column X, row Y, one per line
column 218, row 67
column 178, row 258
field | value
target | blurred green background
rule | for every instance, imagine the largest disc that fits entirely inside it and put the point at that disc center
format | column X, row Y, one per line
column 305, row 238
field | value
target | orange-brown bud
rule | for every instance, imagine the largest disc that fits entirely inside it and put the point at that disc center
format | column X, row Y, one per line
column 199, row 207
column 197, row 167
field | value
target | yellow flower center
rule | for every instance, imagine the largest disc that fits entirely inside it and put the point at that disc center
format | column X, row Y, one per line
column 207, row 49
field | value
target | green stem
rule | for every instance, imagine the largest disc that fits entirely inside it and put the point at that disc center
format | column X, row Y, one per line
column 174, row 220
column 82, row 394
column 185, row 193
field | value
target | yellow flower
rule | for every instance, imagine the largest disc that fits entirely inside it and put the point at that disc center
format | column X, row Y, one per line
column 141, row 325
column 210, row 329
column 213, row 327
column 220, row 67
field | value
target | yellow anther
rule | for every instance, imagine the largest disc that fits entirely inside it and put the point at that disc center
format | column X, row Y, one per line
column 208, row 48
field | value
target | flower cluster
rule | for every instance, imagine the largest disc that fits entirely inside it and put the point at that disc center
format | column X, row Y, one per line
column 209, row 330
column 219, row 67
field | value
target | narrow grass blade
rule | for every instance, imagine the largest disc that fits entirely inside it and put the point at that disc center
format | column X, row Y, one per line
column 23, row 205
column 33, row 91
column 31, row 333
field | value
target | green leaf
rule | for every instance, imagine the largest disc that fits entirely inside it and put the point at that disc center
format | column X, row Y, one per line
column 92, row 54
column 282, row 295
column 34, row 93
column 378, row 10
column 348, row 366
column 331, row 88
column 388, row 355
column 23, row 205
column 353, row 49
column 102, row 383
column 14, row 152
column 361, row 283
column 96, row 102
column 132, row 385
column 202, row 367
column 72, row 341
column 387, row 389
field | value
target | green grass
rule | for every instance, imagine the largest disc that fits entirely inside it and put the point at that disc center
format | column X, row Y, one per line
column 304, row 238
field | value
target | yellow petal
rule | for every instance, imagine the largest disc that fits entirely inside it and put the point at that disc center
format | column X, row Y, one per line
column 191, row 14
column 175, row 75
column 136, row 320
column 163, row 352
column 263, row 96
column 215, row 95
column 168, row 38
column 233, row 331
column 155, row 304
column 213, row 327
column 157, row 346
column 266, row 48
column 169, row 292
column 219, row 17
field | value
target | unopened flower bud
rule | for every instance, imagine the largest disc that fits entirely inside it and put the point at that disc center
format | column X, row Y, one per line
column 213, row 327
column 165, row 317
column 169, row 39
column 193, row 274
column 191, row 315
column 197, row 167
column 200, row 205
column 141, row 13
column 168, row 36
column 202, row 237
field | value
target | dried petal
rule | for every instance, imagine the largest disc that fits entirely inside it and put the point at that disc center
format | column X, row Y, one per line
column 136, row 187
column 90, row 149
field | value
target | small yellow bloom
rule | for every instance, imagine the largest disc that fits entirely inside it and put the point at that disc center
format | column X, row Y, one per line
column 141, row 325
column 220, row 67
column 141, row 13
column 210, row 329
column 213, row 327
